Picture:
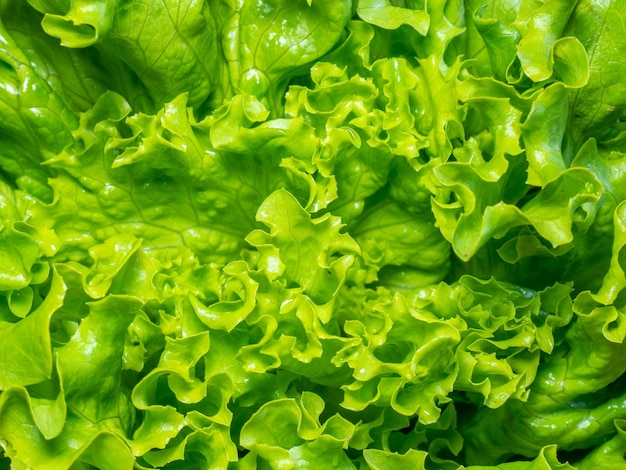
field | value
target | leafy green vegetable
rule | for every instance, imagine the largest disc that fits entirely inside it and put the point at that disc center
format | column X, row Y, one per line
column 365, row 234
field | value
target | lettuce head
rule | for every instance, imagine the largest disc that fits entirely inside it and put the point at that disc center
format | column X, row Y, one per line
column 312, row 234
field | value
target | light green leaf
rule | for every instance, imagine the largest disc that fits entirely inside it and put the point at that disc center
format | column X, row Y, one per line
column 608, row 455
column 385, row 460
column 540, row 24
column 84, row 24
column 79, row 442
column 91, row 362
column 494, row 23
column 391, row 236
column 385, row 14
column 546, row 460
column 287, row 36
column 319, row 268
column 544, row 129
column 25, row 346
column 597, row 105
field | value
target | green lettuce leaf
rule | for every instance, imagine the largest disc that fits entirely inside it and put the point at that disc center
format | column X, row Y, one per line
column 171, row 48
column 264, row 234
column 387, row 15
column 597, row 105
column 608, row 454
column 287, row 37
column 289, row 430
column 572, row 392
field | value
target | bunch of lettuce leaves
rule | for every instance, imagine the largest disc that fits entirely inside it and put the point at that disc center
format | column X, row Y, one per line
column 308, row 234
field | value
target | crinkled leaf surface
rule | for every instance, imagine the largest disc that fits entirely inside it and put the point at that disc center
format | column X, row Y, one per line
column 310, row 234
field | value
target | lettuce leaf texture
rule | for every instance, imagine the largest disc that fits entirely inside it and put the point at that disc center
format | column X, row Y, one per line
column 309, row 234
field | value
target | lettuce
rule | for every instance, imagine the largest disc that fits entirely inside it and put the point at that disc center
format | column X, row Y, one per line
column 361, row 234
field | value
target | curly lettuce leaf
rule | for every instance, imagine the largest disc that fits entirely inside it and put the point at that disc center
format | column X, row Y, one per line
column 541, row 25
column 547, row 459
column 498, row 36
column 607, row 455
column 293, row 249
column 572, row 404
column 171, row 48
column 390, row 236
column 289, row 430
column 252, row 234
column 102, row 190
column 41, row 91
column 596, row 106
column 286, row 37
column 387, row 15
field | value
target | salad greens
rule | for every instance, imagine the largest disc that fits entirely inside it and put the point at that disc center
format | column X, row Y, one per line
column 289, row 234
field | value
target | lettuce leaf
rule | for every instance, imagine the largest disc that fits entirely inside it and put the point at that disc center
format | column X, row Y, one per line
column 361, row 234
